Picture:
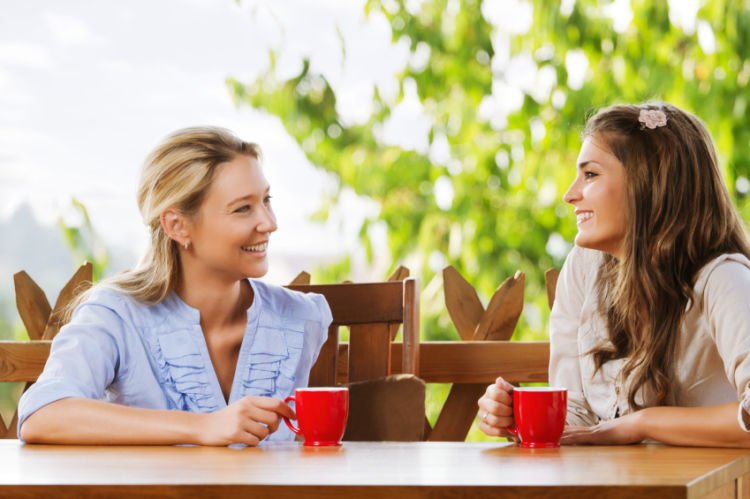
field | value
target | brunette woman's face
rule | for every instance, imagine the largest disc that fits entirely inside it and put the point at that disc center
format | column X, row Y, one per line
column 231, row 230
column 599, row 197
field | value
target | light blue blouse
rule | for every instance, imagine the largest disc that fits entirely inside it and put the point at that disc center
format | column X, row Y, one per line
column 118, row 349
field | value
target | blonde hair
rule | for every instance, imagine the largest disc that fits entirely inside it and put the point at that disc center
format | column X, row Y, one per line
column 680, row 217
column 177, row 174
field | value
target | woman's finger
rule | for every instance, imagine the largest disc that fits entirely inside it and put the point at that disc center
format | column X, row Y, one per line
column 496, row 408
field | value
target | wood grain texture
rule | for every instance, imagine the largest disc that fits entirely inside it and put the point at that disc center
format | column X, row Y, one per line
column 369, row 351
column 325, row 370
column 550, row 282
column 369, row 470
column 505, row 307
column 303, row 278
column 411, row 342
column 22, row 360
column 77, row 284
column 477, row 362
column 458, row 413
column 462, row 302
column 32, row 305
column 361, row 303
column 397, row 275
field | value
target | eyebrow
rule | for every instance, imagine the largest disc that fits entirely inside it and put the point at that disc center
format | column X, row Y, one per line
column 584, row 164
column 247, row 197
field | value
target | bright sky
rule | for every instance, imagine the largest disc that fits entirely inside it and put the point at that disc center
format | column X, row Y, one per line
column 88, row 88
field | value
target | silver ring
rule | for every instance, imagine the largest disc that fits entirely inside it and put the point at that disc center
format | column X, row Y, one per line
column 484, row 416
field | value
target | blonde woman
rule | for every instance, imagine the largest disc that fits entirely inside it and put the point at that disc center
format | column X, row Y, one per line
column 184, row 349
column 650, row 331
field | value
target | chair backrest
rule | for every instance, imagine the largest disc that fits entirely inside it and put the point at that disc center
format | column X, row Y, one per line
column 372, row 311
column 382, row 407
column 24, row 360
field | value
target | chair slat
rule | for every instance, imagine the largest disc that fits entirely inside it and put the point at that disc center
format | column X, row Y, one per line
column 361, row 303
column 398, row 275
column 500, row 319
column 32, row 305
column 462, row 302
column 410, row 358
column 77, row 284
column 369, row 352
column 550, row 281
column 323, row 373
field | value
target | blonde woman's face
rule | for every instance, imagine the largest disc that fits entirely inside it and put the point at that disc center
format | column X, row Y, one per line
column 231, row 231
column 598, row 195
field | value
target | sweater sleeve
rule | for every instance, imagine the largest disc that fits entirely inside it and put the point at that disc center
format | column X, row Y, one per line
column 726, row 304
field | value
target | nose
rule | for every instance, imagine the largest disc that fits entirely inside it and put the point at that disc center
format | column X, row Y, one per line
column 268, row 222
column 573, row 193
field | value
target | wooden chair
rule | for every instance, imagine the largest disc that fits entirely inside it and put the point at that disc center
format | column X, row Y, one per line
column 24, row 360
column 373, row 313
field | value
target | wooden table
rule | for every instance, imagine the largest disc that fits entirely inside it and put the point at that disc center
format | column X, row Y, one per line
column 370, row 470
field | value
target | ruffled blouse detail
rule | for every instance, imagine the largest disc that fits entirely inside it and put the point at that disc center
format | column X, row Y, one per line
column 184, row 372
column 266, row 366
column 274, row 357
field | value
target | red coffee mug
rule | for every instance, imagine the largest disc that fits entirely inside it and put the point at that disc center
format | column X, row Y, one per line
column 539, row 415
column 321, row 413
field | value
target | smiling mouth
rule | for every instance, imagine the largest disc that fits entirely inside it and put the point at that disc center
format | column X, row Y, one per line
column 256, row 248
column 582, row 217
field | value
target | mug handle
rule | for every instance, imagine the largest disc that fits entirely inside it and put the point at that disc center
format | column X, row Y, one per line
column 291, row 426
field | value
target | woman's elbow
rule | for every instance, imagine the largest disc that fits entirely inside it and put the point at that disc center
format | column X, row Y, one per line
column 29, row 431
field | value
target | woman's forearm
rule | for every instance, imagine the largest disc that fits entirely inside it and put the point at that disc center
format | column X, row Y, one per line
column 714, row 426
column 84, row 421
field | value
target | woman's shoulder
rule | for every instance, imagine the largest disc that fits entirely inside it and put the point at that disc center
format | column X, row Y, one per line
column 584, row 258
column 110, row 300
column 284, row 302
column 726, row 272
column 582, row 266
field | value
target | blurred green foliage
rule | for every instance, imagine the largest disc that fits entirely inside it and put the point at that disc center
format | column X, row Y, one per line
column 512, row 145
column 84, row 243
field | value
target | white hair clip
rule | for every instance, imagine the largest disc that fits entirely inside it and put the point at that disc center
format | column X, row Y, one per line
column 652, row 118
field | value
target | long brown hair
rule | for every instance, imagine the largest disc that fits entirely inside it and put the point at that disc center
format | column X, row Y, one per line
column 680, row 216
column 177, row 174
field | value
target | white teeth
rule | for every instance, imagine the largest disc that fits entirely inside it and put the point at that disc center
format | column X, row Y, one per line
column 257, row 247
column 582, row 217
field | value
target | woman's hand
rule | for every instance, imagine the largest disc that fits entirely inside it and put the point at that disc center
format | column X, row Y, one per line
column 496, row 409
column 246, row 421
column 621, row 431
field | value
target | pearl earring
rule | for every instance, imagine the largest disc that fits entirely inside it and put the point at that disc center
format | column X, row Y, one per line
column 186, row 245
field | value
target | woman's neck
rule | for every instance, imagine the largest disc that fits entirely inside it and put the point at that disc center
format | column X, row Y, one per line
column 221, row 303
